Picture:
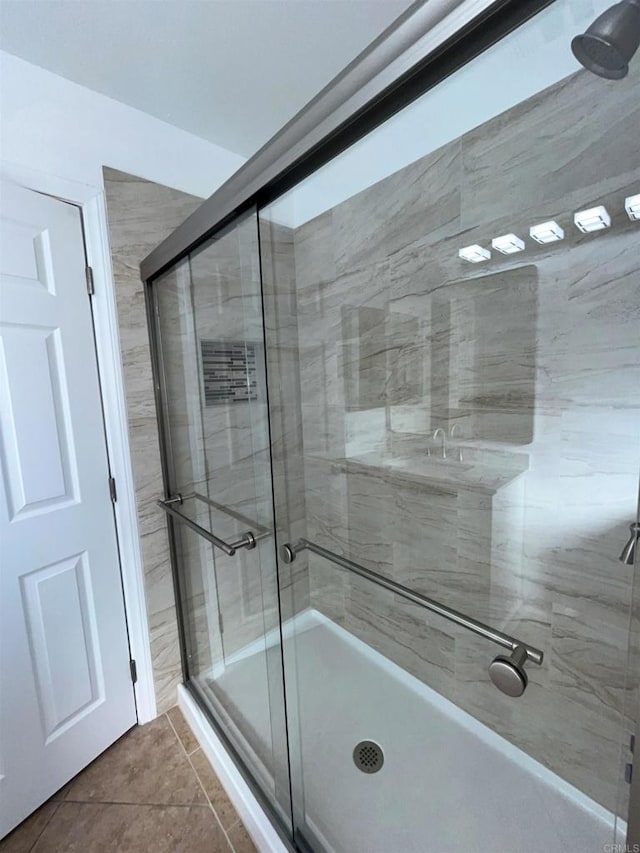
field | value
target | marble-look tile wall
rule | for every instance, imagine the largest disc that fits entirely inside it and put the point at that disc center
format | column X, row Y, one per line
column 221, row 457
column 220, row 448
column 283, row 369
column 534, row 362
column 227, row 306
column 181, row 372
column 141, row 214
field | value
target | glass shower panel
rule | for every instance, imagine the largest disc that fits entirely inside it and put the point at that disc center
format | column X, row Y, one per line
column 212, row 368
column 457, row 410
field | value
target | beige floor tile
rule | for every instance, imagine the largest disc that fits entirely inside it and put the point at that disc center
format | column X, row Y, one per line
column 147, row 765
column 185, row 735
column 101, row 827
column 141, row 796
column 24, row 836
column 61, row 794
column 227, row 814
column 240, row 840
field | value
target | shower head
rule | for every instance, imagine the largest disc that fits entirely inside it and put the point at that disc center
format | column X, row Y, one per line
column 629, row 550
column 608, row 45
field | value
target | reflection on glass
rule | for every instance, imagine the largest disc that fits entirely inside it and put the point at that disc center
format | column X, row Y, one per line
column 469, row 430
column 450, row 311
column 211, row 349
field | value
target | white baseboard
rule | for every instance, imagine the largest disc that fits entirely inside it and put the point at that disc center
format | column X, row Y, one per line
column 253, row 816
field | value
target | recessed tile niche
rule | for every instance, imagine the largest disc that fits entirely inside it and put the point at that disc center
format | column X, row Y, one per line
column 229, row 371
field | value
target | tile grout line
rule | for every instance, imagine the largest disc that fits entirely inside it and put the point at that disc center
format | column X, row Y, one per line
column 57, row 804
column 188, row 756
column 178, row 736
column 44, row 828
column 136, row 805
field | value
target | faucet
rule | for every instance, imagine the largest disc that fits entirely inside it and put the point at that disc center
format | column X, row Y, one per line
column 629, row 550
column 441, row 432
column 452, row 432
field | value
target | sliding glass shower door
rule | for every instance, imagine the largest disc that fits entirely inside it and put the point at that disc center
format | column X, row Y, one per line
column 453, row 316
column 207, row 315
column 413, row 376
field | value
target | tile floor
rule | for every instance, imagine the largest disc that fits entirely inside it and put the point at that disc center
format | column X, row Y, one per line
column 153, row 791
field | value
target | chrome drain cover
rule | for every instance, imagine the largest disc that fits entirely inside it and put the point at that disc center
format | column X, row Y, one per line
column 368, row 756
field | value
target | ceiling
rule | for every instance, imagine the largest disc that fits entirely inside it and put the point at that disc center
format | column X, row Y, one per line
column 230, row 71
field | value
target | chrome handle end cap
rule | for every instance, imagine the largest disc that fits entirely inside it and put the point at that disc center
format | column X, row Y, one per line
column 287, row 554
column 508, row 675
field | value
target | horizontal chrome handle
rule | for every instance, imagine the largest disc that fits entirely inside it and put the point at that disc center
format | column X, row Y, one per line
column 522, row 651
column 262, row 532
column 247, row 541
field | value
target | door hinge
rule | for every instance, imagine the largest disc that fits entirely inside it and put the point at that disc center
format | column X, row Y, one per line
column 134, row 671
column 90, row 285
column 112, row 489
column 221, row 623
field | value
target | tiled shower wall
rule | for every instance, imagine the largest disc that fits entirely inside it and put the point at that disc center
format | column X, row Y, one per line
column 141, row 214
column 220, row 447
column 283, row 368
column 377, row 335
column 533, row 358
column 221, row 451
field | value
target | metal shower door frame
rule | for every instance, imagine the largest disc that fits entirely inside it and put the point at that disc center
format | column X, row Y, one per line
column 173, row 535
column 426, row 45
column 633, row 825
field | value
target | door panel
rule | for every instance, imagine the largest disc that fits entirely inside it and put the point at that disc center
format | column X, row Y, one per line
column 68, row 674
column 64, row 656
column 462, row 404
column 35, row 482
column 208, row 313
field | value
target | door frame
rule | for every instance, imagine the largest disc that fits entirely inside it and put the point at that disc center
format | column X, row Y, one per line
column 91, row 202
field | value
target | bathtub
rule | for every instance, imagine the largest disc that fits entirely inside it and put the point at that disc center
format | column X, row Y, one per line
column 448, row 784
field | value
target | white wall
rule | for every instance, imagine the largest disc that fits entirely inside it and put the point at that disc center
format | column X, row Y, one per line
column 50, row 125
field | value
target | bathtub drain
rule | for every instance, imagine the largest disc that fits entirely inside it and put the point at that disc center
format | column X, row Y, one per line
column 368, row 756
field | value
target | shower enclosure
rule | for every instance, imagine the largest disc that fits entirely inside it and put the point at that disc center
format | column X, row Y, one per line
column 398, row 380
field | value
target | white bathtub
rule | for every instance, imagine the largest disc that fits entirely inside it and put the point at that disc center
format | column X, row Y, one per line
column 449, row 784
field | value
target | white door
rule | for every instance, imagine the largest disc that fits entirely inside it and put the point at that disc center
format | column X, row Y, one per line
column 65, row 683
